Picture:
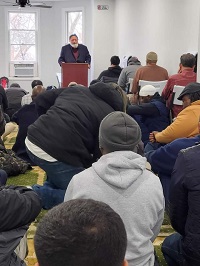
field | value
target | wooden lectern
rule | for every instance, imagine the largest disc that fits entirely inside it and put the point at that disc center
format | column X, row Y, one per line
column 77, row 72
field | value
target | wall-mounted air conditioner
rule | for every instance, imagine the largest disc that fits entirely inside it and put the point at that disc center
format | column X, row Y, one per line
column 23, row 69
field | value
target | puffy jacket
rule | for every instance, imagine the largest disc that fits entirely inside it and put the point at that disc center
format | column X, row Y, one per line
column 19, row 206
column 68, row 129
column 184, row 202
column 162, row 158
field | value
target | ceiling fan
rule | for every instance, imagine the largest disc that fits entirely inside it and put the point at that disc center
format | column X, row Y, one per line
column 24, row 3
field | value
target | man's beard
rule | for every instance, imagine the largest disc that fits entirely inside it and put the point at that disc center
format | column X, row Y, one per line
column 74, row 45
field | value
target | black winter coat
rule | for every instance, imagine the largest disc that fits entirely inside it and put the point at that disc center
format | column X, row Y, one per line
column 185, row 202
column 19, row 206
column 68, row 129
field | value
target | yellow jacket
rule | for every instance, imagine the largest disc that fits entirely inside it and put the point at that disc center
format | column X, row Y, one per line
column 185, row 125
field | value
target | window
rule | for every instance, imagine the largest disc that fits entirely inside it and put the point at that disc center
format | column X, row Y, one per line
column 74, row 24
column 22, row 36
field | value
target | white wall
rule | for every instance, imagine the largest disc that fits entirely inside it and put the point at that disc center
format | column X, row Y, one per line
column 50, row 39
column 129, row 27
column 104, row 34
column 169, row 27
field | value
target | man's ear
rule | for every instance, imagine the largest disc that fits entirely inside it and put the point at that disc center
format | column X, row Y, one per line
column 37, row 264
column 125, row 263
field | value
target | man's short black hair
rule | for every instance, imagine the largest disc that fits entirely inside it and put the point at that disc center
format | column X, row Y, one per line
column 114, row 60
column 188, row 60
column 14, row 85
column 36, row 82
column 73, row 35
column 81, row 232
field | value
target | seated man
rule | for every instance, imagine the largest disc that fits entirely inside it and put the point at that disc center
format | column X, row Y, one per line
column 14, row 95
column 182, row 248
column 185, row 76
column 27, row 99
column 26, row 116
column 19, row 207
column 83, row 233
column 151, row 113
column 113, row 71
column 163, row 157
column 120, row 179
column 185, row 125
column 64, row 140
column 3, row 99
column 150, row 72
column 128, row 72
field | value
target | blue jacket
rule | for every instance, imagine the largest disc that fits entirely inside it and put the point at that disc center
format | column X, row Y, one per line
column 152, row 116
column 184, row 202
column 67, row 55
column 163, row 158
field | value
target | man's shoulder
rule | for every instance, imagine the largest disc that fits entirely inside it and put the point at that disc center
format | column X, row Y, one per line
column 143, row 68
column 174, row 77
column 67, row 46
column 160, row 68
column 183, row 143
column 82, row 45
column 81, row 179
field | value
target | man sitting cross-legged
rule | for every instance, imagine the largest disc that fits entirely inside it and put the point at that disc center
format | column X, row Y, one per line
column 186, row 123
column 120, row 179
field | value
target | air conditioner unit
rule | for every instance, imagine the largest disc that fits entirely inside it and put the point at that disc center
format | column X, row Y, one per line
column 23, row 69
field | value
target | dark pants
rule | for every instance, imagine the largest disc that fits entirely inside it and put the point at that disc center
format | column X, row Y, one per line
column 3, row 177
column 172, row 250
column 58, row 177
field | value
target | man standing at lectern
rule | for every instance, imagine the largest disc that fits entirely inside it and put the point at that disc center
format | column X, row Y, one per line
column 74, row 52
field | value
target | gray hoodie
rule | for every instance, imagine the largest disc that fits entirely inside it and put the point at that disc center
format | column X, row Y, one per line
column 121, row 180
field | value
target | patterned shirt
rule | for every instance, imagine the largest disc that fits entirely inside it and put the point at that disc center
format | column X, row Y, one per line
column 26, row 99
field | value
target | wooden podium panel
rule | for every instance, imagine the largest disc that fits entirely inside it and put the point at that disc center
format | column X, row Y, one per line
column 77, row 72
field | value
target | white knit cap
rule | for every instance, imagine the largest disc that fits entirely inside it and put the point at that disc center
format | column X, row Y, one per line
column 147, row 90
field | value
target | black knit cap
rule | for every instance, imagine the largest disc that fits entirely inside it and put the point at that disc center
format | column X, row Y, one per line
column 190, row 89
column 119, row 132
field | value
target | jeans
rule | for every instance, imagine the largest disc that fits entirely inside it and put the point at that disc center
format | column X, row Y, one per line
column 59, row 175
column 172, row 250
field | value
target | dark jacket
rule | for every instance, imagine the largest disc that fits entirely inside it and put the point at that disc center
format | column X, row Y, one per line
column 3, row 98
column 163, row 157
column 184, row 202
column 68, row 131
column 152, row 116
column 113, row 72
column 26, row 116
column 19, row 206
column 67, row 56
column 14, row 96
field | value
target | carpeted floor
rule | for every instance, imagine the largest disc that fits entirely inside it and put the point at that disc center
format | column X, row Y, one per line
column 37, row 176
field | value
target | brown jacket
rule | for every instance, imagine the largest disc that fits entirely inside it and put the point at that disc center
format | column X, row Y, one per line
column 150, row 73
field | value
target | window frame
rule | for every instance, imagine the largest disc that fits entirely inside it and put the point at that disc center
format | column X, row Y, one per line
column 65, row 37
column 36, row 12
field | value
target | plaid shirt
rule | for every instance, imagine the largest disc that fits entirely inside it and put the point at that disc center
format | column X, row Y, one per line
column 26, row 99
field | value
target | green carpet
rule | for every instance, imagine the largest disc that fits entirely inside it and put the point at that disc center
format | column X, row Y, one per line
column 37, row 176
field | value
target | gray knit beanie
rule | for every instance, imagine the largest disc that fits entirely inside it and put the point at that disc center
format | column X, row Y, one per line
column 119, row 132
